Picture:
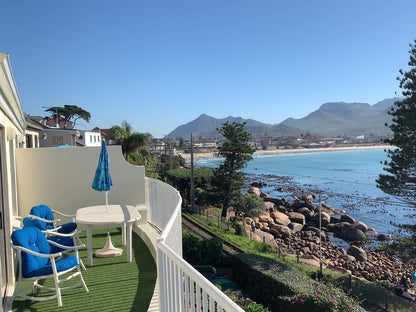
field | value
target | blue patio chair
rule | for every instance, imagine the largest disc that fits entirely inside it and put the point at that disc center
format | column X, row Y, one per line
column 45, row 214
column 42, row 217
column 36, row 262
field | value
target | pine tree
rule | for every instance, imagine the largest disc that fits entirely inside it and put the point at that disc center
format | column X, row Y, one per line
column 401, row 178
column 236, row 151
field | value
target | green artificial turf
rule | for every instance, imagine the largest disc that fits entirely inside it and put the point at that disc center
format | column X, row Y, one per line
column 114, row 284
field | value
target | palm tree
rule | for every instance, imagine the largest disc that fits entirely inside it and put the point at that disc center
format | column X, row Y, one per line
column 130, row 141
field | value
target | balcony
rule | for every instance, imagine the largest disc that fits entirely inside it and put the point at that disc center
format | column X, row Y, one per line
column 61, row 178
column 114, row 284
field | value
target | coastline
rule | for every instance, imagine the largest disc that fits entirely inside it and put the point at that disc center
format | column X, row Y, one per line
column 187, row 156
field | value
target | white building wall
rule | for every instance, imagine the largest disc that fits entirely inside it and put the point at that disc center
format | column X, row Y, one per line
column 89, row 138
column 12, row 126
column 62, row 177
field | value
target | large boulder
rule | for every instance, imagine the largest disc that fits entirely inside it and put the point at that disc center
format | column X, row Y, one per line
column 347, row 258
column 325, row 218
column 254, row 190
column 347, row 218
column 258, row 184
column 263, row 195
column 308, row 213
column 268, row 205
column 298, row 203
column 296, row 217
column 335, row 220
column 335, row 228
column 280, row 218
column 361, row 226
column 284, row 231
column 295, row 227
column 353, row 234
column 384, row 237
column 276, row 201
column 358, row 253
column 248, row 220
column 266, row 218
column 326, row 208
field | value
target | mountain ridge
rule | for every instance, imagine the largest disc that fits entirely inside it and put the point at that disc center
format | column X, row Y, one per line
column 331, row 119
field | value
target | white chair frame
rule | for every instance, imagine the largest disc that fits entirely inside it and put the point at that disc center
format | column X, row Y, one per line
column 54, row 221
column 75, row 238
column 35, row 285
column 54, row 231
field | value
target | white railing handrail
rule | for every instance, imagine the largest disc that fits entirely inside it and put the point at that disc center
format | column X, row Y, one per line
column 223, row 300
column 178, row 281
column 169, row 225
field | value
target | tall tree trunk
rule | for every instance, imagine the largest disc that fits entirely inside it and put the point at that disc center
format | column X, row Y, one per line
column 224, row 210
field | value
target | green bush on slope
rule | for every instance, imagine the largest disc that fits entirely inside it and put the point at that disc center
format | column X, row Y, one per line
column 282, row 288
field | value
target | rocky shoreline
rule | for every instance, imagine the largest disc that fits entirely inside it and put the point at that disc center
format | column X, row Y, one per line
column 295, row 228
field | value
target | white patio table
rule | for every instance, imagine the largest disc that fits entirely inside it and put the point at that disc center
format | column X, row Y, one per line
column 96, row 217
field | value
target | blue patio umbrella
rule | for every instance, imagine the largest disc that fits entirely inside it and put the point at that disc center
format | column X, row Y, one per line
column 102, row 183
column 102, row 180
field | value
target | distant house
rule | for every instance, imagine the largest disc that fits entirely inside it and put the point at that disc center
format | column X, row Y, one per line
column 33, row 129
column 89, row 138
column 51, row 122
column 157, row 146
column 52, row 137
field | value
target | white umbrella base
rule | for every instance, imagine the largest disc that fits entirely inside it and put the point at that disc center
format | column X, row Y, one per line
column 108, row 250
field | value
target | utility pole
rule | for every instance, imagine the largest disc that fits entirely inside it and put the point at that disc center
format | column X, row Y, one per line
column 170, row 153
column 192, row 175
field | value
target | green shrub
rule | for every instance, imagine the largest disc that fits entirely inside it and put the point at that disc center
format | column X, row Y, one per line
column 282, row 288
column 238, row 228
column 207, row 252
column 191, row 247
column 211, row 251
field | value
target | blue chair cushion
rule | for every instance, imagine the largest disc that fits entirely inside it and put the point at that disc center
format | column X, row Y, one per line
column 67, row 228
column 35, row 223
column 31, row 238
column 44, row 212
column 66, row 241
column 61, row 265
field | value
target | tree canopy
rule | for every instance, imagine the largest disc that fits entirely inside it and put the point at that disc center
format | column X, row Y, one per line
column 401, row 166
column 248, row 205
column 129, row 140
column 67, row 113
column 236, row 150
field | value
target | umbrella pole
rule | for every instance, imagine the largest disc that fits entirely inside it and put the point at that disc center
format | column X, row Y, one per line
column 108, row 250
column 106, row 209
column 106, row 201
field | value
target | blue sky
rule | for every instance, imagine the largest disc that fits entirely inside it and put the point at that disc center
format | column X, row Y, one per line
column 160, row 64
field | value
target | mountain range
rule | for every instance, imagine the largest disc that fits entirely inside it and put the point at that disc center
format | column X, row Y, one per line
column 331, row 119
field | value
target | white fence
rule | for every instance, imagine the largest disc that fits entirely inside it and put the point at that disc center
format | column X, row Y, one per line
column 181, row 287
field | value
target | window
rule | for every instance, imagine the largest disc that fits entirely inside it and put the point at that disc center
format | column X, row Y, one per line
column 29, row 141
column 57, row 140
column 90, row 138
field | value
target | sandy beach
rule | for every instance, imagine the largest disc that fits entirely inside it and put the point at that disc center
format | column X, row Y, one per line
column 197, row 156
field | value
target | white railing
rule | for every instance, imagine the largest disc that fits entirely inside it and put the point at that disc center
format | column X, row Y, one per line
column 181, row 287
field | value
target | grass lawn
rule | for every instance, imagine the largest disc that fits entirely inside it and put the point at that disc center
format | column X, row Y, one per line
column 114, row 284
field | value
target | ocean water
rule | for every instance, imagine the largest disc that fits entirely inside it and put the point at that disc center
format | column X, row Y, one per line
column 342, row 179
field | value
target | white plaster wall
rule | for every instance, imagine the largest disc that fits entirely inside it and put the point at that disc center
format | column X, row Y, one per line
column 62, row 177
